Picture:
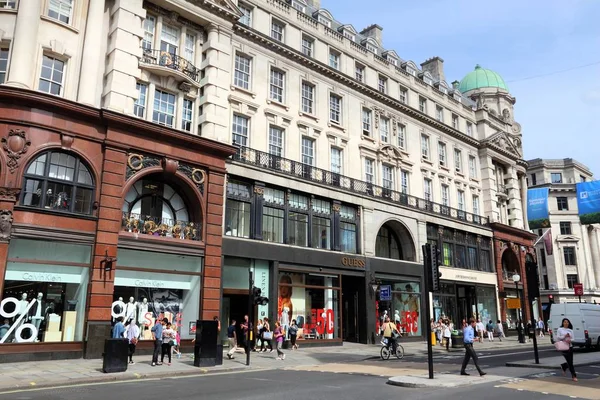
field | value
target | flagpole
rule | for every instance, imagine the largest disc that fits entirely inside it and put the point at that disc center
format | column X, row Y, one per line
column 541, row 237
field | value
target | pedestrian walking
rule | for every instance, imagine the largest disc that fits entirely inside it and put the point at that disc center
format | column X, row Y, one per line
column 168, row 340
column 119, row 329
column 447, row 334
column 245, row 330
column 490, row 330
column 133, row 333
column 279, row 336
column 468, row 338
column 267, row 336
column 530, row 330
column 157, row 333
column 480, row 330
column 500, row 330
column 564, row 336
column 259, row 330
column 232, row 338
column 540, row 326
column 293, row 330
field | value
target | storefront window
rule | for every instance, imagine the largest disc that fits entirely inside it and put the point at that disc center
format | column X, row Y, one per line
column 486, row 304
column 44, row 299
column 313, row 301
column 405, row 307
column 144, row 294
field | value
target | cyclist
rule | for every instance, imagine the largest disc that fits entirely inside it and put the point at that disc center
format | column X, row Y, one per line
column 388, row 333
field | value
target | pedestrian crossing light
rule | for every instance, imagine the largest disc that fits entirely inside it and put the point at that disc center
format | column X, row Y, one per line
column 435, row 260
column 259, row 299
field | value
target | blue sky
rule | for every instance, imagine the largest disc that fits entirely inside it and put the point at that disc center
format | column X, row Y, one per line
column 517, row 39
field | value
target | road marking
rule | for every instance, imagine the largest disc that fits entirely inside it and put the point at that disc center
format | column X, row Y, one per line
column 513, row 354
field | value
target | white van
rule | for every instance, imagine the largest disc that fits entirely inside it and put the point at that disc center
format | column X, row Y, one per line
column 585, row 319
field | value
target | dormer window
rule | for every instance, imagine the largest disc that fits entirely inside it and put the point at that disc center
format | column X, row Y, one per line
column 350, row 35
column 427, row 79
column 298, row 5
column 371, row 48
column 410, row 67
column 392, row 60
column 324, row 21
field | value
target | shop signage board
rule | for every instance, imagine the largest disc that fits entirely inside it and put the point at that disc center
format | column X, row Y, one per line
column 578, row 289
column 537, row 208
column 513, row 304
column 588, row 202
column 385, row 293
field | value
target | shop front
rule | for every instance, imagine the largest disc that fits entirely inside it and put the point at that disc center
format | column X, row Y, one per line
column 464, row 295
column 44, row 297
column 324, row 292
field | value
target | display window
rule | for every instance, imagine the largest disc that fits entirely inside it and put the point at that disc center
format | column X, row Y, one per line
column 486, row 304
column 151, row 286
column 45, row 291
column 313, row 300
column 404, row 309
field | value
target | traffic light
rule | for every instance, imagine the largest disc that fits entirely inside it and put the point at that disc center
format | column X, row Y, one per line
column 259, row 299
column 432, row 262
column 533, row 279
column 551, row 299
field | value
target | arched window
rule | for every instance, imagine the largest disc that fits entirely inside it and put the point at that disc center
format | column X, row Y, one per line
column 387, row 244
column 153, row 200
column 58, row 181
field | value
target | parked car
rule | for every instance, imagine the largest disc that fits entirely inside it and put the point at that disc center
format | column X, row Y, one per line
column 585, row 319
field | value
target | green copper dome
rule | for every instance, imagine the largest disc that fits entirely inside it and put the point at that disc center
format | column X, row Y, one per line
column 481, row 78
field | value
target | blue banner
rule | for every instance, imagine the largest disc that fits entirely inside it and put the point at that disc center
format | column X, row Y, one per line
column 588, row 202
column 537, row 208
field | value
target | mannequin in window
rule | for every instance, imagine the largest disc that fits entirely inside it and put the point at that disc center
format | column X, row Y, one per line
column 130, row 309
column 118, row 309
column 36, row 311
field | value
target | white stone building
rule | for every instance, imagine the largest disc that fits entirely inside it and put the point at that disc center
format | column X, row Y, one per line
column 576, row 248
column 351, row 155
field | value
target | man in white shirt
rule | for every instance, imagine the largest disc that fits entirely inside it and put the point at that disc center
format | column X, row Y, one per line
column 480, row 329
column 540, row 326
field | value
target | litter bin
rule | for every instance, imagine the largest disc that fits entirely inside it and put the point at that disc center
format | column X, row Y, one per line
column 457, row 341
column 433, row 339
column 114, row 358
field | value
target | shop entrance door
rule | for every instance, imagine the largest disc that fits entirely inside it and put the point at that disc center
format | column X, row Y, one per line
column 354, row 327
column 467, row 302
column 235, row 306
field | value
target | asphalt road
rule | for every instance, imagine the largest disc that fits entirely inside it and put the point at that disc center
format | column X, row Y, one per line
column 284, row 385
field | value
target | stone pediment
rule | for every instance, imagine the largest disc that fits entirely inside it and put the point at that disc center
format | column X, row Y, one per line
column 567, row 238
column 503, row 142
column 390, row 154
column 227, row 7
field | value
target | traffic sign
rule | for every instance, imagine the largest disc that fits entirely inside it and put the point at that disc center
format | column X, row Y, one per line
column 385, row 293
column 578, row 289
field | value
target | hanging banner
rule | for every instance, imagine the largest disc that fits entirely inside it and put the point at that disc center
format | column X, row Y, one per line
column 537, row 208
column 588, row 202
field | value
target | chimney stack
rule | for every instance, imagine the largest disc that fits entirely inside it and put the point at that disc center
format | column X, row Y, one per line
column 435, row 66
column 374, row 31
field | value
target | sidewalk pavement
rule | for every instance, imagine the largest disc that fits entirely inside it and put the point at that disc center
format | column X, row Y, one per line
column 81, row 371
column 579, row 360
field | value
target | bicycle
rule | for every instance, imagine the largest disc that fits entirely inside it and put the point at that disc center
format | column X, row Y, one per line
column 386, row 351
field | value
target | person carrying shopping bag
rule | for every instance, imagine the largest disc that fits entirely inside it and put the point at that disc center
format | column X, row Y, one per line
column 279, row 336
column 564, row 336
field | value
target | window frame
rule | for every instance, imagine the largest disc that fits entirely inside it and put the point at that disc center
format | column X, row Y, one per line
column 369, row 171
column 61, row 85
column 277, row 35
column 61, row 3
column 246, row 16
column 308, row 51
column 554, row 175
column 155, row 109
column 4, row 59
column 401, row 136
column 562, row 203
column 384, row 129
column 308, row 158
column 472, row 167
column 367, row 121
column 339, row 157
column 187, row 115
column 403, row 95
column 335, row 59
column 273, row 85
column 335, row 110
column 442, row 154
column 566, row 228
column 458, row 160
column 570, row 255
column 307, row 104
column 240, row 132
column 137, row 105
column 423, row 104
column 387, row 176
column 359, row 72
column 274, row 145
column 427, row 189
column 425, row 147
column 45, row 179
column 239, row 74
column 469, row 129
column 455, row 122
column 382, row 84
column 439, row 113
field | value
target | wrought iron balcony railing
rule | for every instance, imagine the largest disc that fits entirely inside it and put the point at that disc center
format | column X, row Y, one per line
column 148, row 225
column 169, row 60
column 264, row 160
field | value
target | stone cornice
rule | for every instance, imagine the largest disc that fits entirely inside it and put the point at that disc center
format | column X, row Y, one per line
column 324, row 69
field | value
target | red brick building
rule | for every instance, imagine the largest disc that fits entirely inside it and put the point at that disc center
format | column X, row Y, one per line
column 103, row 215
column 512, row 246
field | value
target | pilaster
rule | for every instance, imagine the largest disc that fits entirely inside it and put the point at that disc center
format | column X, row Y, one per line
column 92, row 65
column 25, row 45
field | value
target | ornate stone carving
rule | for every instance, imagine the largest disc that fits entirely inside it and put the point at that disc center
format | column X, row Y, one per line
column 66, row 141
column 506, row 115
column 185, row 87
column 9, row 194
column 6, row 220
column 336, row 208
column 259, row 190
column 441, row 231
column 15, row 145
column 170, row 166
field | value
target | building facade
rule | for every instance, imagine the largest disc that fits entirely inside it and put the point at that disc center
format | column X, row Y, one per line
column 569, row 253
column 347, row 158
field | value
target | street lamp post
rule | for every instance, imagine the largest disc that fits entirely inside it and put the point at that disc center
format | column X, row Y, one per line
column 516, row 278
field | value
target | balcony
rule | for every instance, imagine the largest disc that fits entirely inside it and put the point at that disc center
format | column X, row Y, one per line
column 285, row 166
column 165, row 64
column 161, row 227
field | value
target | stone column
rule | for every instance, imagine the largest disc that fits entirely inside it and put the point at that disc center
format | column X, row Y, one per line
column 595, row 248
column 92, row 64
column 216, row 83
column 24, row 48
column 8, row 198
column 524, row 202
